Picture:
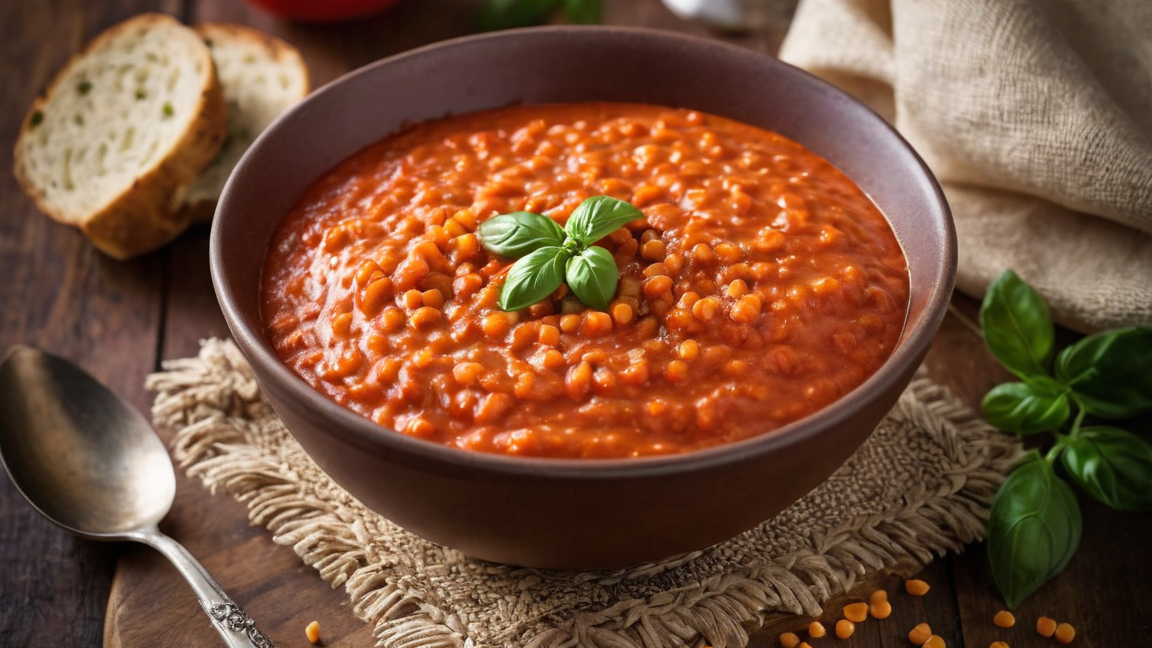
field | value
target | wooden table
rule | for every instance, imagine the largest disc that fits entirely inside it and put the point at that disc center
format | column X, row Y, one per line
column 120, row 319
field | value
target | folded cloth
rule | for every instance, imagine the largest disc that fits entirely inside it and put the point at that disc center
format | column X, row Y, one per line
column 1036, row 116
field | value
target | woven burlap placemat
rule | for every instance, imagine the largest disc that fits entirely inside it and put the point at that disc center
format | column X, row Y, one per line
column 920, row 486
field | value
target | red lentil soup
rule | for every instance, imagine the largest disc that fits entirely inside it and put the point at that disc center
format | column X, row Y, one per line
column 761, row 285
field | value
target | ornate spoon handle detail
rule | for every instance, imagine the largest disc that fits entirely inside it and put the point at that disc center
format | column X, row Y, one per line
column 234, row 625
column 229, row 615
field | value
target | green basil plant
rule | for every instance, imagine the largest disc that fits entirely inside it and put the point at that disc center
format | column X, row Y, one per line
column 1035, row 523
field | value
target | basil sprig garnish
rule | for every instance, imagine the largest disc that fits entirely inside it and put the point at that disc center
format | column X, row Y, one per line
column 550, row 255
column 1034, row 526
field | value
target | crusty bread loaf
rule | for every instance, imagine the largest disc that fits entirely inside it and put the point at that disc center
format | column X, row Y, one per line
column 121, row 132
column 262, row 77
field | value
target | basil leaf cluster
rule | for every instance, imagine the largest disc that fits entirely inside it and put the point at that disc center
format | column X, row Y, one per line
column 1035, row 522
column 549, row 255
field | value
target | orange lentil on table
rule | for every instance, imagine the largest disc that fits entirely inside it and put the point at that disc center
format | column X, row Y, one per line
column 312, row 631
column 816, row 630
column 878, row 595
column 845, row 628
column 760, row 286
column 916, row 587
column 1045, row 626
column 856, row 612
column 935, row 641
column 789, row 640
column 997, row 644
column 880, row 609
column 920, row 634
column 1004, row 619
column 1065, row 633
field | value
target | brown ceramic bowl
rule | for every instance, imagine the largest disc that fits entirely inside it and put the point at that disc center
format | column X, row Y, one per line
column 577, row 513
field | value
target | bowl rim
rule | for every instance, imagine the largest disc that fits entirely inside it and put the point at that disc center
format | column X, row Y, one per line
column 365, row 433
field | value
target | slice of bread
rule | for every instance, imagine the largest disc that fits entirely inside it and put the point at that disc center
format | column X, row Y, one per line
column 262, row 77
column 120, row 133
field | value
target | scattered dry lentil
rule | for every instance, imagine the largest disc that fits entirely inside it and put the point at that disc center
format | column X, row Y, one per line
column 845, row 628
column 880, row 609
column 789, row 640
column 920, row 634
column 916, row 587
column 1065, row 633
column 935, row 641
column 816, row 630
column 1045, row 626
column 856, row 612
column 998, row 644
column 312, row 631
column 1004, row 619
column 878, row 595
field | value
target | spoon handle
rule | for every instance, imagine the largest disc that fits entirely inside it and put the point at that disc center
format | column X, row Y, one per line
column 234, row 625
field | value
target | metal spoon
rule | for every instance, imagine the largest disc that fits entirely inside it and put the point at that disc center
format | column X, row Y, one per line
column 93, row 466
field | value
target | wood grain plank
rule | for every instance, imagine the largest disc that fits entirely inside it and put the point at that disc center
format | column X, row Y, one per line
column 63, row 296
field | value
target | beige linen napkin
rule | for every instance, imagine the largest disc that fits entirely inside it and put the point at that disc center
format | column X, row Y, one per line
column 1036, row 116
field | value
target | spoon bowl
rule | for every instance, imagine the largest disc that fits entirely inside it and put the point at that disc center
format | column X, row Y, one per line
column 93, row 466
column 79, row 454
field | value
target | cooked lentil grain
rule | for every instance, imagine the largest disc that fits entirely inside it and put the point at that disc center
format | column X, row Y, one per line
column 761, row 286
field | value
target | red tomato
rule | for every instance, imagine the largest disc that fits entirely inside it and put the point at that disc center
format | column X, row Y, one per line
column 322, row 10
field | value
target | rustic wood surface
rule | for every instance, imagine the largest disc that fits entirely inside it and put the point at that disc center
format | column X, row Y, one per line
column 119, row 320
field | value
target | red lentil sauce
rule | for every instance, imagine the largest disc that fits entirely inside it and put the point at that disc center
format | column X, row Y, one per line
column 761, row 286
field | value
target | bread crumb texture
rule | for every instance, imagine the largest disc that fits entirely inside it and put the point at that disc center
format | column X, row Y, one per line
column 123, row 128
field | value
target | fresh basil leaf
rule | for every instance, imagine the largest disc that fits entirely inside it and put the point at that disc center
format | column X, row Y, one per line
column 1027, row 408
column 598, row 217
column 1110, row 373
column 1017, row 326
column 509, row 14
column 533, row 278
column 1033, row 530
column 1112, row 465
column 592, row 276
column 583, row 12
column 516, row 234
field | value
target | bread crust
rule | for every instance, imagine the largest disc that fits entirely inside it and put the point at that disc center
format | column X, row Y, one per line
column 279, row 49
column 201, row 209
column 143, row 216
